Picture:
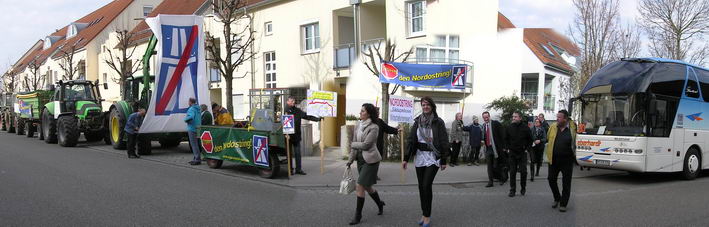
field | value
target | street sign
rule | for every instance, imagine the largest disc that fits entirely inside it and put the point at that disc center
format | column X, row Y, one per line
column 260, row 150
column 288, row 124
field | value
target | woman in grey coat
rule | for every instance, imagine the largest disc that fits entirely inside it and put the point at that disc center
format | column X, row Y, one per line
column 364, row 149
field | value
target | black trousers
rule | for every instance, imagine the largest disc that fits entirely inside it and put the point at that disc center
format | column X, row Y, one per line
column 518, row 162
column 132, row 142
column 502, row 165
column 425, row 176
column 566, row 167
column 455, row 153
column 536, row 158
column 474, row 155
column 491, row 162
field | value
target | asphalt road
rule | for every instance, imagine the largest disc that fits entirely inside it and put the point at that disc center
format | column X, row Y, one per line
column 47, row 185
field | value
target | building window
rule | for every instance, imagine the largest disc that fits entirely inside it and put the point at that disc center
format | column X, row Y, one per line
column 72, row 31
column 310, row 37
column 268, row 28
column 214, row 75
column 147, row 10
column 82, row 70
column 446, row 48
column 547, row 50
column 416, row 12
column 270, row 69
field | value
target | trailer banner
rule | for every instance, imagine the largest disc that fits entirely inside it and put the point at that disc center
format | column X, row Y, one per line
column 424, row 75
column 235, row 145
column 180, row 72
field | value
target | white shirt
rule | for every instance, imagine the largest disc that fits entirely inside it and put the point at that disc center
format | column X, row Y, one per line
column 425, row 158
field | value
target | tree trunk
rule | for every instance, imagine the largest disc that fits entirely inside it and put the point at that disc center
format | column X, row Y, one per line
column 384, row 114
column 229, row 97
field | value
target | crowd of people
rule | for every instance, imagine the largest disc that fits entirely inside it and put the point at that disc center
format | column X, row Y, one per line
column 508, row 150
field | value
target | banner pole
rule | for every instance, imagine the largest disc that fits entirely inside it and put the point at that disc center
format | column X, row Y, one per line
column 322, row 148
column 288, row 155
column 401, row 148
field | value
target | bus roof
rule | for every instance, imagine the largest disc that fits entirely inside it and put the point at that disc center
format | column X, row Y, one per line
column 634, row 75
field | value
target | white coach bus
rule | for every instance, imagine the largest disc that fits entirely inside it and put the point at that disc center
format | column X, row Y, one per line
column 645, row 115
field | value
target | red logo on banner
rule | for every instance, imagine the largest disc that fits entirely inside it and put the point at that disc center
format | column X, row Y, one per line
column 389, row 71
column 207, row 142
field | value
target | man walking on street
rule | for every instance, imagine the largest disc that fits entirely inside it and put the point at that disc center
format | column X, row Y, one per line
column 493, row 141
column 193, row 121
column 456, row 138
column 135, row 120
column 518, row 139
column 561, row 153
column 298, row 114
column 476, row 134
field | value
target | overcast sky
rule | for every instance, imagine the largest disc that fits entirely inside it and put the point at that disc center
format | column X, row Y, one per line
column 27, row 21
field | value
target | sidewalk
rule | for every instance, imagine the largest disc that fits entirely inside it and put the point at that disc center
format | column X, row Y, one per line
column 389, row 172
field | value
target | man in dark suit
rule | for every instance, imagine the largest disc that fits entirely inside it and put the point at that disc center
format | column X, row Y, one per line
column 298, row 114
column 495, row 156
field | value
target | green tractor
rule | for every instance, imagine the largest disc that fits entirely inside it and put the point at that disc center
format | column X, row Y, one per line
column 74, row 108
column 7, row 111
column 136, row 94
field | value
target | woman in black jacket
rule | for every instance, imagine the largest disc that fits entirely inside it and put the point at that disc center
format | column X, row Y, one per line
column 539, row 138
column 428, row 141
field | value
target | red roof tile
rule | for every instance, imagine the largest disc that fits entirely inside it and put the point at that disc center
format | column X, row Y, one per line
column 539, row 38
column 503, row 22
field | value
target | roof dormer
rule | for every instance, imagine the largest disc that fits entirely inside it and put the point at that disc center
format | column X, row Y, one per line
column 75, row 28
column 50, row 40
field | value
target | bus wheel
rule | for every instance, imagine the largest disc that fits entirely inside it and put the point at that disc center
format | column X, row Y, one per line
column 692, row 163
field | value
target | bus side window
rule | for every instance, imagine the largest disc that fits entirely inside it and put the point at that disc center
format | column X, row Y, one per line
column 692, row 89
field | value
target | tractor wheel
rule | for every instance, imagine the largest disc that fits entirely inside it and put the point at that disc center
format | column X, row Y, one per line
column 94, row 136
column 144, row 145
column 3, row 127
column 10, row 123
column 68, row 131
column 116, row 123
column 29, row 129
column 19, row 126
column 168, row 142
column 49, row 127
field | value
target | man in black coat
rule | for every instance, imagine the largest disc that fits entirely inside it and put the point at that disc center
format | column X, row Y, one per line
column 493, row 141
column 298, row 114
column 518, row 138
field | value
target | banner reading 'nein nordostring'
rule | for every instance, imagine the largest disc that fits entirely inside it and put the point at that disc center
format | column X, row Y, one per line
column 424, row 75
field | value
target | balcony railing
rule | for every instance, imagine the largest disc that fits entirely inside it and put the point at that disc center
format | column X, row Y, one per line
column 530, row 98
column 345, row 54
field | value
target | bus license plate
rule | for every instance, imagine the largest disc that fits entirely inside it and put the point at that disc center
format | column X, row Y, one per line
column 603, row 162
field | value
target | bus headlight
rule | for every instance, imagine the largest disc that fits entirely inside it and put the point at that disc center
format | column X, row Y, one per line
column 638, row 151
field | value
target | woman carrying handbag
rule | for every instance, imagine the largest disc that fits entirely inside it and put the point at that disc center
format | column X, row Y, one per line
column 364, row 149
column 428, row 141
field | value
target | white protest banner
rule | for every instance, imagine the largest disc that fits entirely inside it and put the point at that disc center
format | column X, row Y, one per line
column 322, row 103
column 181, row 72
column 401, row 109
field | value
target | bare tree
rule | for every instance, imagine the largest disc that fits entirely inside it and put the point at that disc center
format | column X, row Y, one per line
column 597, row 31
column 66, row 61
column 373, row 57
column 120, row 60
column 34, row 80
column 676, row 28
column 236, row 41
column 10, row 81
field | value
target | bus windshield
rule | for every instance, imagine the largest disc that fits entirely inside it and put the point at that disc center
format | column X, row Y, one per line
column 620, row 115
